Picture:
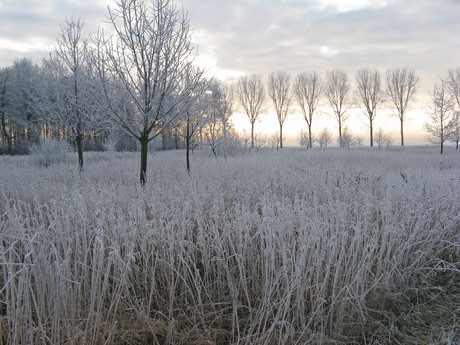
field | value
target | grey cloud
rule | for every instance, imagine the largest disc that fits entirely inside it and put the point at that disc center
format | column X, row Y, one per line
column 260, row 36
column 29, row 22
column 266, row 35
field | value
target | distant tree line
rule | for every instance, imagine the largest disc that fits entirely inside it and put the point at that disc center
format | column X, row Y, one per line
column 140, row 87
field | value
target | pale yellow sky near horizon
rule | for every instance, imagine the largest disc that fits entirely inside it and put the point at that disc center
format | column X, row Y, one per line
column 414, row 133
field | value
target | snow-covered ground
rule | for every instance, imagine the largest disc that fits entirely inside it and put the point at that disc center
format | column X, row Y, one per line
column 272, row 247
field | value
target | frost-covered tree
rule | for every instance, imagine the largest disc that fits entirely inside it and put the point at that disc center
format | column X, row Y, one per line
column 388, row 140
column 224, row 100
column 217, row 130
column 250, row 92
column 18, row 84
column 192, row 121
column 440, row 108
column 453, row 82
column 380, row 137
column 347, row 137
column 5, row 121
column 453, row 129
column 303, row 139
column 324, row 137
column 401, row 87
column 370, row 95
column 68, row 99
column 308, row 88
column 279, row 90
column 149, row 58
column 337, row 91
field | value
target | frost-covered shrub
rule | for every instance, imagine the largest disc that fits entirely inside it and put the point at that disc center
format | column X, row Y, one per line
column 125, row 143
column 109, row 145
column 50, row 151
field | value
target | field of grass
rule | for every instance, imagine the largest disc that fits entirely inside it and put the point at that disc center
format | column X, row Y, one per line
column 274, row 247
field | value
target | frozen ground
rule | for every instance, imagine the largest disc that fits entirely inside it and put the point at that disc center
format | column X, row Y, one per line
column 275, row 247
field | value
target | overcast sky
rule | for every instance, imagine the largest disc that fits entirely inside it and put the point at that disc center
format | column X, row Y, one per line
column 245, row 36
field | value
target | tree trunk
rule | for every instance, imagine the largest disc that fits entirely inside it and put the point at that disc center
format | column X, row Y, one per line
column 9, row 142
column 144, row 149
column 442, row 138
column 187, row 147
column 213, row 150
column 402, row 131
column 281, row 135
column 7, row 135
column 252, row 134
column 371, row 134
column 340, row 135
column 79, row 142
column 310, row 144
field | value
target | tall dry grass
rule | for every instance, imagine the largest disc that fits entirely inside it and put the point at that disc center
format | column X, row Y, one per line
column 289, row 247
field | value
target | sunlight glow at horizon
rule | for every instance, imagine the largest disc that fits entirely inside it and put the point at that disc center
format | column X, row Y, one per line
column 267, row 125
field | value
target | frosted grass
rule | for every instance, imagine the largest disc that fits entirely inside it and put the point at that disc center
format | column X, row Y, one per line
column 288, row 247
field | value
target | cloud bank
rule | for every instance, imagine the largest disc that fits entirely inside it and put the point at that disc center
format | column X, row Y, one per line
column 266, row 35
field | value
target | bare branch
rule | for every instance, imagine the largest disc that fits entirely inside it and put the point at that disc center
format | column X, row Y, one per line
column 337, row 92
column 279, row 90
column 401, row 87
column 251, row 95
column 370, row 94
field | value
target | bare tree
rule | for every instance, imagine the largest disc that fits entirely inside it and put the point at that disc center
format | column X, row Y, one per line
column 347, row 137
column 191, row 122
column 231, row 140
column 303, row 139
column 69, row 85
column 226, row 104
column 308, row 89
column 20, row 83
column 441, row 105
column 251, row 95
column 337, row 91
column 221, row 104
column 380, row 137
column 453, row 129
column 401, row 87
column 388, row 140
column 279, row 90
column 453, row 83
column 370, row 95
column 7, row 130
column 274, row 140
column 149, row 59
column 215, row 122
column 324, row 137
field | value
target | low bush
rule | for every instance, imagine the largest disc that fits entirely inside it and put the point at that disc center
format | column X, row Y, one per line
column 50, row 151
